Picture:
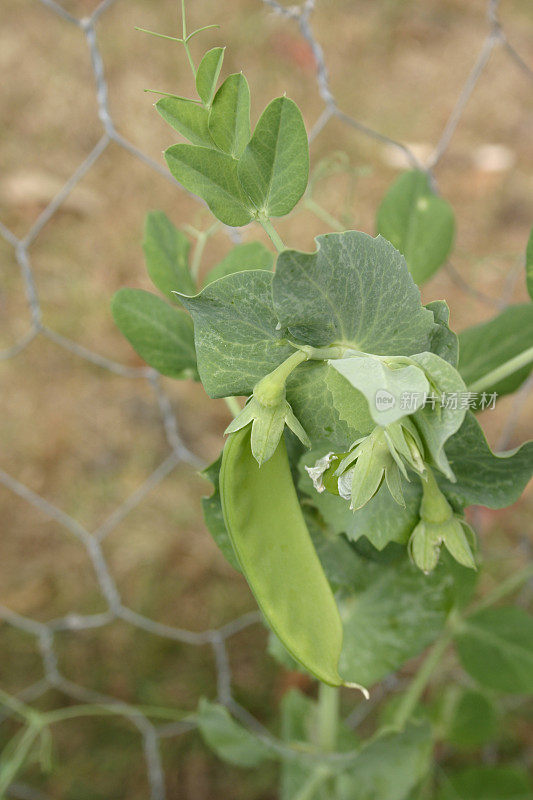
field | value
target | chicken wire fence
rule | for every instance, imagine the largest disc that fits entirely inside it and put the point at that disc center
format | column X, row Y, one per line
column 493, row 37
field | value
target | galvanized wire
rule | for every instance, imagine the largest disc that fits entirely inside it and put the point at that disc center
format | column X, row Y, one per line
column 44, row 633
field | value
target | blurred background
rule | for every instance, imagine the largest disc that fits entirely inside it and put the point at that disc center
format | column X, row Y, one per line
column 83, row 426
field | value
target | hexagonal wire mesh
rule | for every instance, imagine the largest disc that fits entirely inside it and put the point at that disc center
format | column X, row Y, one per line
column 300, row 15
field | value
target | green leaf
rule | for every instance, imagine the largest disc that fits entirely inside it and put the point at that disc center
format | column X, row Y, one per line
column 418, row 223
column 444, row 342
column 211, row 175
column 250, row 255
column 389, row 766
column 274, row 166
column 213, row 516
column 166, row 250
column 397, row 615
column 235, row 332
column 437, row 425
column 383, row 386
column 487, row 346
column 350, row 404
column 486, row 783
column 529, row 264
column 228, row 739
column 161, row 335
column 353, row 290
column 482, row 477
column 309, row 393
column 496, row 648
column 474, row 721
column 186, row 117
column 229, row 120
column 207, row 74
column 381, row 521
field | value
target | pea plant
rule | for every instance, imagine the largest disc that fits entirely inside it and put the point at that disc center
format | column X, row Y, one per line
column 341, row 491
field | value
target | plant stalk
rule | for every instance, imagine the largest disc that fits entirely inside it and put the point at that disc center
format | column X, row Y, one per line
column 185, row 39
column 503, row 371
column 507, row 587
column 416, row 688
column 328, row 717
column 233, row 405
column 273, row 234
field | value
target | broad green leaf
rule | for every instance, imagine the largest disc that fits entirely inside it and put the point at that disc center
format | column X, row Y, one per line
column 354, row 290
column 389, row 766
column 486, row 783
column 529, row 264
column 418, row 223
column 235, row 332
column 166, row 250
column 161, row 335
column 250, row 255
column 228, row 739
column 229, row 120
column 207, row 74
column 383, row 387
column 274, row 166
column 437, row 424
column 474, row 721
column 308, row 392
column 350, row 404
column 496, row 648
column 211, row 175
column 483, row 477
column 396, row 616
column 381, row 521
column 487, row 346
column 188, row 118
column 213, row 517
column 444, row 342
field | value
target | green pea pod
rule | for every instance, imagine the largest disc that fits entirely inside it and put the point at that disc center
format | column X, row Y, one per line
column 278, row 559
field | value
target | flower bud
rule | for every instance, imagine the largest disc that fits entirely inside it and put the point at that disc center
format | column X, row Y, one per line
column 439, row 526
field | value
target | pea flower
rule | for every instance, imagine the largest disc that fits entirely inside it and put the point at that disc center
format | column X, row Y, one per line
column 381, row 456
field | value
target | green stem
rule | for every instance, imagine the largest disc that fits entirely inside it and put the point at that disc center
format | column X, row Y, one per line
column 324, row 215
column 504, row 589
column 18, row 707
column 328, row 716
column 315, row 780
column 160, row 36
column 15, row 754
column 321, row 353
column 185, row 39
column 418, row 684
column 201, row 241
column 273, row 234
column 503, row 371
column 233, row 405
column 198, row 253
column 270, row 390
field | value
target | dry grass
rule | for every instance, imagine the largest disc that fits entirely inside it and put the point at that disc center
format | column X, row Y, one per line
column 85, row 439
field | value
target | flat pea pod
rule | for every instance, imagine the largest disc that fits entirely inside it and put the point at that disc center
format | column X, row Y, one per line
column 277, row 557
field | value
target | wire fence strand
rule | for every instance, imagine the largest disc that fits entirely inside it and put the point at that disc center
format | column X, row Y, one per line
column 44, row 633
